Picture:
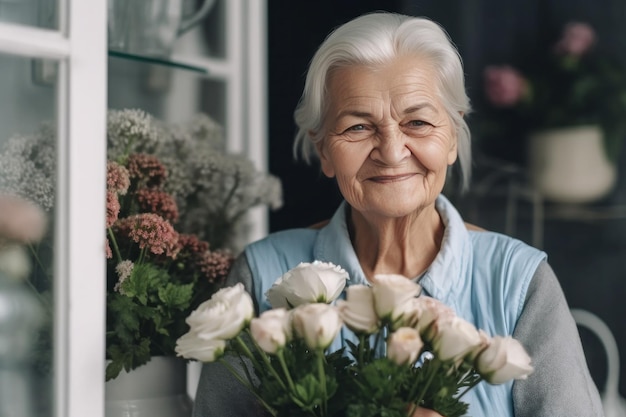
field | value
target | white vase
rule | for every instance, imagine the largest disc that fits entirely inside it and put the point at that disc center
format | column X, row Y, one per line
column 569, row 165
column 156, row 389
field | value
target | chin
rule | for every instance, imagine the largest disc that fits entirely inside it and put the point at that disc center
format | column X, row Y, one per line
column 394, row 209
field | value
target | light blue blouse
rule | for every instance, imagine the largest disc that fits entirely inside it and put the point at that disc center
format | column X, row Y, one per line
column 483, row 276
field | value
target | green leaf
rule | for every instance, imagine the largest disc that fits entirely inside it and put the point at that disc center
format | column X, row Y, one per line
column 176, row 296
column 144, row 281
column 126, row 357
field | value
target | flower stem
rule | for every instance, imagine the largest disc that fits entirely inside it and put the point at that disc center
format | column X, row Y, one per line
column 266, row 360
column 436, row 364
column 283, row 364
column 247, row 351
column 116, row 248
column 376, row 342
column 248, row 385
column 322, row 377
column 470, row 386
column 361, row 349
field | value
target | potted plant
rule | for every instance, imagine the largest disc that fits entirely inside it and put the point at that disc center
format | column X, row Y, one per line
column 569, row 105
column 176, row 202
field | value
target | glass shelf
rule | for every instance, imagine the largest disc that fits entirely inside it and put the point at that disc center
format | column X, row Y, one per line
column 159, row 61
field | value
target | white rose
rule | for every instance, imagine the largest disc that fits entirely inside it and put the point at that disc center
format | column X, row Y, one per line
column 190, row 346
column 404, row 346
column 357, row 310
column 454, row 338
column 318, row 324
column 224, row 315
column 317, row 282
column 272, row 329
column 504, row 359
column 391, row 291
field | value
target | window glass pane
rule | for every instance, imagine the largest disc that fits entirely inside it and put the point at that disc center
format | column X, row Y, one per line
column 39, row 13
column 27, row 170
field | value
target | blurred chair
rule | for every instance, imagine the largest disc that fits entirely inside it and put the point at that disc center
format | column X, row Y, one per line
column 614, row 405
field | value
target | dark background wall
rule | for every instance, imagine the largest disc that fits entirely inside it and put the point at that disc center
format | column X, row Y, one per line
column 589, row 257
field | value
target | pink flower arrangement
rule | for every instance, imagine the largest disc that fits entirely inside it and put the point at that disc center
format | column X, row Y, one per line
column 156, row 274
column 569, row 84
column 175, row 205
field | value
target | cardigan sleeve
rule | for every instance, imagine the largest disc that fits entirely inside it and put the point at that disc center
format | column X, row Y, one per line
column 219, row 393
column 560, row 384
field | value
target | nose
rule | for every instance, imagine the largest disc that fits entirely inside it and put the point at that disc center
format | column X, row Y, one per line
column 390, row 148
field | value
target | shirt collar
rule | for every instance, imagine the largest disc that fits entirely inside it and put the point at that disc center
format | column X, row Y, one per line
column 439, row 281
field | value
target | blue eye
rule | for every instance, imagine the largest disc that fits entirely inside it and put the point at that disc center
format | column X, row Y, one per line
column 357, row 127
column 417, row 123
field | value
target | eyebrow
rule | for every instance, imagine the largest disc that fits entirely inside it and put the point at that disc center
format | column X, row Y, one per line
column 408, row 110
column 418, row 107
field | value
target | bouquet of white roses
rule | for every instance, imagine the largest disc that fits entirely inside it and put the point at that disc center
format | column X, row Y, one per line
column 403, row 349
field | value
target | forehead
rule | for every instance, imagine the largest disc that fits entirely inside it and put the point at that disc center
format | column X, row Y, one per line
column 404, row 78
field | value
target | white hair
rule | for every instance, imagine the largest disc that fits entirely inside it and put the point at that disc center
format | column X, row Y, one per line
column 375, row 39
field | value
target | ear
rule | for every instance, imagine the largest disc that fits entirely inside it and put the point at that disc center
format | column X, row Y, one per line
column 453, row 152
column 325, row 162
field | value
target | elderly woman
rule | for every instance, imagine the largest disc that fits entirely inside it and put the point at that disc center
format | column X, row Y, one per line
column 383, row 109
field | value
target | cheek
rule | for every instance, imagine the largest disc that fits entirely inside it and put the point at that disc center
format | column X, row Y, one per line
column 434, row 155
column 343, row 160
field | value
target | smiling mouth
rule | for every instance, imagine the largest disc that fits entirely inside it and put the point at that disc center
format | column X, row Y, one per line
column 384, row 179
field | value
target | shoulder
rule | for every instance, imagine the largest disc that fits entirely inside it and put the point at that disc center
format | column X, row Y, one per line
column 281, row 250
column 509, row 263
column 285, row 240
column 497, row 244
column 272, row 256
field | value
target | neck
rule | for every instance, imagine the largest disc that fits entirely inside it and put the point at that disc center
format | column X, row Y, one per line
column 405, row 246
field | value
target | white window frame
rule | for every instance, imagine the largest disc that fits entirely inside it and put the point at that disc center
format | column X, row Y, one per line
column 79, row 46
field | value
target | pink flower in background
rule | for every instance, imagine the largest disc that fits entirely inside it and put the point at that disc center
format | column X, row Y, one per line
column 576, row 40
column 192, row 244
column 159, row 202
column 107, row 249
column 152, row 232
column 113, row 208
column 215, row 265
column 21, row 221
column 504, row 85
column 118, row 178
column 147, row 169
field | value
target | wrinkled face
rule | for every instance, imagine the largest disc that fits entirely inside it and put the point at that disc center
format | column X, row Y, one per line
column 388, row 139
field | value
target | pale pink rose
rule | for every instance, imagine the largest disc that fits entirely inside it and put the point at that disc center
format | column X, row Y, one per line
column 576, row 40
column 318, row 324
column 421, row 312
column 504, row 85
column 454, row 338
column 357, row 310
column 21, row 221
column 504, row 359
column 391, row 291
column 272, row 329
column 404, row 346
